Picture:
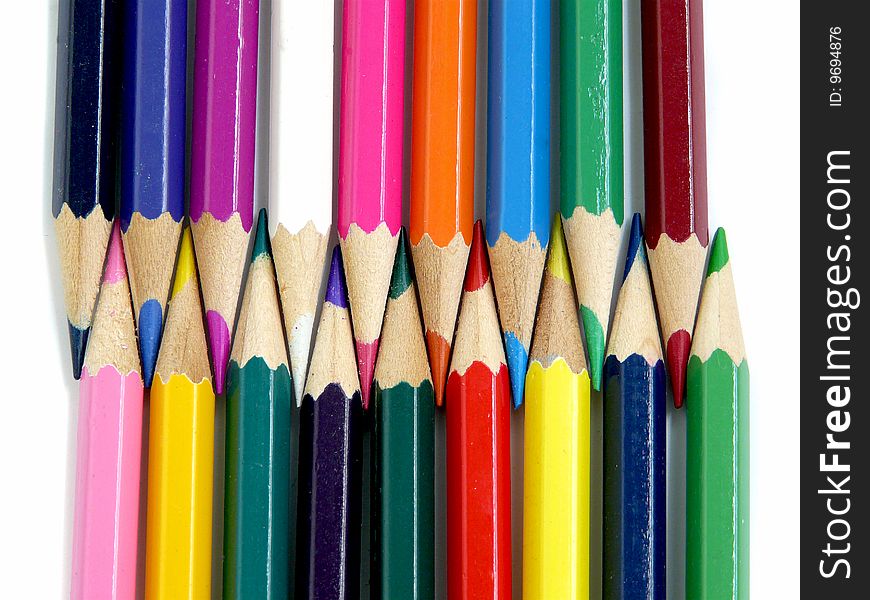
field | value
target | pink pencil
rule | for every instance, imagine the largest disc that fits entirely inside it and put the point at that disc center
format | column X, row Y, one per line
column 222, row 160
column 370, row 164
column 109, row 445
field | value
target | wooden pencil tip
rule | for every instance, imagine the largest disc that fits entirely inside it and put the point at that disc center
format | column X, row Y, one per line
column 116, row 268
column 78, row 343
column 261, row 237
column 336, row 289
column 678, row 348
column 478, row 263
column 718, row 253
column 439, row 360
column 635, row 245
column 401, row 279
column 366, row 357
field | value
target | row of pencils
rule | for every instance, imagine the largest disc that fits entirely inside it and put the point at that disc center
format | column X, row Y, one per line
column 516, row 312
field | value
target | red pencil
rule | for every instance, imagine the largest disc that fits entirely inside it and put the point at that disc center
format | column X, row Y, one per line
column 478, row 444
column 675, row 157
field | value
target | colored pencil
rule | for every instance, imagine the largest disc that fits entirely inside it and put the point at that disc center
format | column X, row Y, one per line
column 181, row 448
column 257, row 482
column 592, row 169
column 518, row 169
column 330, row 456
column 675, row 170
column 83, row 198
column 717, row 448
column 478, row 444
column 370, row 164
column 109, row 445
column 300, row 165
column 222, row 160
column 404, row 457
column 634, row 549
column 153, row 132
column 442, row 166
column 557, row 442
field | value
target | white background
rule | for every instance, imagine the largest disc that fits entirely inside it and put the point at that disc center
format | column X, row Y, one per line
column 752, row 61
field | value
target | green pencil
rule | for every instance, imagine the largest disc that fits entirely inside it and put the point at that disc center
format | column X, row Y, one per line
column 257, row 494
column 590, row 42
column 717, row 452
column 404, row 455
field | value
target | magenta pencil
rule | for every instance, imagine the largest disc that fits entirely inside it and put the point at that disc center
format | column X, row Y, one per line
column 109, row 445
column 222, row 160
column 370, row 164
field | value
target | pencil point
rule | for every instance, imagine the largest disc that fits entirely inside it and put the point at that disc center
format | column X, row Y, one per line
column 635, row 245
column 595, row 343
column 78, row 343
column 401, row 279
column 478, row 264
column 336, row 289
column 678, row 347
column 261, row 237
column 219, row 343
column 518, row 362
column 718, row 253
column 366, row 356
column 439, row 360
column 150, row 329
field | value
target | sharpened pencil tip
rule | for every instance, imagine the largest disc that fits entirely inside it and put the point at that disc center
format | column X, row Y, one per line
column 678, row 348
column 517, row 363
column 439, row 360
column 635, row 245
column 261, row 237
column 595, row 344
column 366, row 357
column 336, row 289
column 78, row 343
column 478, row 262
column 219, row 344
column 718, row 253
column 150, row 328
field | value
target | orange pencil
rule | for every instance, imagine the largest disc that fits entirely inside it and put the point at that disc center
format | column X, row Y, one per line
column 442, row 166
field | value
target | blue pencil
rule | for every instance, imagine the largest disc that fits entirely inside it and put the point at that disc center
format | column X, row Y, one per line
column 518, row 169
column 634, row 439
column 152, row 158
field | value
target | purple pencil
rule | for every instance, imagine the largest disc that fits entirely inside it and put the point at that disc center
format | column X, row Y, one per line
column 222, row 160
column 330, row 456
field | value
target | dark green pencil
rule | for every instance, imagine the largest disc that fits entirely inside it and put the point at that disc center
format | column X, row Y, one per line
column 257, row 495
column 403, row 502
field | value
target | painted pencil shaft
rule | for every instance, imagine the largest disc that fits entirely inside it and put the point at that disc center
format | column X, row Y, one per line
column 256, row 484
column 152, row 158
column 109, row 446
column 85, row 123
column 634, row 526
column 330, row 456
column 592, row 187
column 370, row 164
column 300, row 174
column 518, row 169
column 442, row 166
column 478, row 444
column 178, row 540
column 675, row 169
column 222, row 160
column 557, row 442
column 717, row 448
column 403, row 455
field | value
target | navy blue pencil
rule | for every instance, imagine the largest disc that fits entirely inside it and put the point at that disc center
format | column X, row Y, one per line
column 634, row 439
column 330, row 456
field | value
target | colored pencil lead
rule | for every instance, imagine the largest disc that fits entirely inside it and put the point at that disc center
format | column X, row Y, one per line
column 83, row 198
column 675, row 170
column 717, row 448
column 634, row 526
column 518, row 170
column 259, row 396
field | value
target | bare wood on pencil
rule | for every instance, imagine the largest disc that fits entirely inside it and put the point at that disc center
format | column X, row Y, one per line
column 634, row 328
column 403, row 351
column 299, row 259
column 677, row 270
column 517, row 268
column 113, row 336
column 439, row 273
column 150, row 260
column 477, row 335
column 593, row 244
column 259, row 332
column 82, row 247
column 221, row 246
column 718, row 320
column 557, row 331
column 183, row 349
column 333, row 360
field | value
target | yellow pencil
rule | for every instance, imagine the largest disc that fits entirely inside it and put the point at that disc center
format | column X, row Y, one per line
column 180, row 471
column 556, row 495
